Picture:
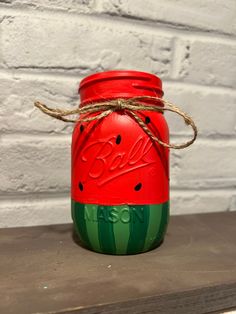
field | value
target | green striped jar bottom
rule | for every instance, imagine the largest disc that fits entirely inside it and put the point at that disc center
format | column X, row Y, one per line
column 120, row 230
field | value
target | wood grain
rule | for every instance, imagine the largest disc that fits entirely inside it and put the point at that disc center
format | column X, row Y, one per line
column 43, row 270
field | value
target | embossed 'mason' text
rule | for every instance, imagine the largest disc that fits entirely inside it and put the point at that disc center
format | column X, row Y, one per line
column 114, row 214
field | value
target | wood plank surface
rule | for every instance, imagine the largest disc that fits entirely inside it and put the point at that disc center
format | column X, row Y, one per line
column 44, row 270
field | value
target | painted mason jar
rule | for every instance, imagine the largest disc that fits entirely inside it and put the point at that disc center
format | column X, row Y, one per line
column 120, row 176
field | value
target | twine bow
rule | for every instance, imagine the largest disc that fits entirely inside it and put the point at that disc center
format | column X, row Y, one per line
column 131, row 106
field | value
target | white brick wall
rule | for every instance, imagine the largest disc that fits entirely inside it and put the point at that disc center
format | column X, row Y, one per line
column 46, row 47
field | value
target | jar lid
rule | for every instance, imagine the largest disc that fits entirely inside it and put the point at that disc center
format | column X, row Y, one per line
column 119, row 84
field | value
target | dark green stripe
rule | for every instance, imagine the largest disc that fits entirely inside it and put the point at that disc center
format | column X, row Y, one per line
column 121, row 229
column 164, row 220
column 138, row 228
column 105, row 230
column 155, row 216
column 92, row 226
column 73, row 210
column 78, row 210
column 163, row 225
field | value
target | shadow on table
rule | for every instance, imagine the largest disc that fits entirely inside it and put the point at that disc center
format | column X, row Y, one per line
column 77, row 240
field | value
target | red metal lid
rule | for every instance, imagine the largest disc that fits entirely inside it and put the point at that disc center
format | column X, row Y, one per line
column 119, row 84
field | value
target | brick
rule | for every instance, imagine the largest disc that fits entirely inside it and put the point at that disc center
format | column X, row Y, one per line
column 214, row 111
column 50, row 211
column 200, row 201
column 84, row 45
column 44, row 53
column 207, row 62
column 18, row 94
column 34, row 165
column 194, row 15
column 206, row 164
column 1, row 57
column 179, row 14
column 79, row 6
column 34, row 212
column 18, row 114
column 43, row 165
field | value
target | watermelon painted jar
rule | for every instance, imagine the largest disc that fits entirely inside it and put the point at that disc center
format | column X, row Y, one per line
column 120, row 176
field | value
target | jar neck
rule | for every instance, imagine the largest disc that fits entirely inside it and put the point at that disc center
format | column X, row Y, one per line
column 119, row 84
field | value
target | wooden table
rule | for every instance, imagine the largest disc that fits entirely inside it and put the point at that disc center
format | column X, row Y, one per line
column 43, row 270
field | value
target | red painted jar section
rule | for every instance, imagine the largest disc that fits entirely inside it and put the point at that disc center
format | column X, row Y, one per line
column 114, row 161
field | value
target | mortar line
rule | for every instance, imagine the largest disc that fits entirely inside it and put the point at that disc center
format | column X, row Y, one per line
column 52, row 137
column 40, row 74
column 111, row 20
column 64, row 195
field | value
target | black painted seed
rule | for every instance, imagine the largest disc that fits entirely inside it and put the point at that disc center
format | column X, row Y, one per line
column 81, row 187
column 147, row 120
column 118, row 139
column 138, row 186
column 81, row 128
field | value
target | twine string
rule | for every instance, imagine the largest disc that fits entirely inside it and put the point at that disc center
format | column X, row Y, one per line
column 131, row 106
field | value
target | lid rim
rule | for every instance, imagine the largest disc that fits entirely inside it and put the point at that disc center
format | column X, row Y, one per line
column 118, row 84
column 118, row 74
